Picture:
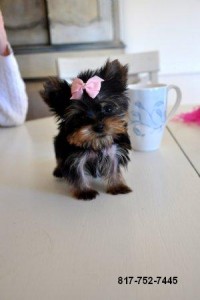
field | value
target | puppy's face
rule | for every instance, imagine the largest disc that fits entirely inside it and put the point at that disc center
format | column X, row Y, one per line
column 95, row 123
column 87, row 122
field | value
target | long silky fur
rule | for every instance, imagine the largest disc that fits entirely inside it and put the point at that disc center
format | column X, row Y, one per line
column 83, row 150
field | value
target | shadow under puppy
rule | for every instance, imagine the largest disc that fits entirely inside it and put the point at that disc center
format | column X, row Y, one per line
column 92, row 117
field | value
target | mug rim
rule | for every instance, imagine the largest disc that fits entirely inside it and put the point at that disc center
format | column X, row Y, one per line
column 148, row 86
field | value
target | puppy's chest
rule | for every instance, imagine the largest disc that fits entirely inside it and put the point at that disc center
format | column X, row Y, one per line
column 103, row 162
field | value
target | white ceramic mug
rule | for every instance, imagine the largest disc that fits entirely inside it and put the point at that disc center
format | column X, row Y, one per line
column 148, row 114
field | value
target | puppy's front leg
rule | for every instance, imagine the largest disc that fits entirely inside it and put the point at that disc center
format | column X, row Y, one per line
column 74, row 172
column 116, row 184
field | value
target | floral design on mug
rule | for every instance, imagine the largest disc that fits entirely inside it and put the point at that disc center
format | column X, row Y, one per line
column 154, row 119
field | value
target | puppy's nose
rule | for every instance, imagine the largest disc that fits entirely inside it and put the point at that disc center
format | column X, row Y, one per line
column 99, row 128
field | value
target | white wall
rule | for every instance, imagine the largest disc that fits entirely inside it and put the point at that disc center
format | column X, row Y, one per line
column 173, row 28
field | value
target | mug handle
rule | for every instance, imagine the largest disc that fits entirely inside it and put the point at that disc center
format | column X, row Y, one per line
column 177, row 103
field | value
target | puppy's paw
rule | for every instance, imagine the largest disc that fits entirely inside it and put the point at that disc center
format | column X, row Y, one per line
column 118, row 189
column 57, row 172
column 87, row 194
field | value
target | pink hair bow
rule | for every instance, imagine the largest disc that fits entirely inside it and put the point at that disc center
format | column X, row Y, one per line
column 92, row 87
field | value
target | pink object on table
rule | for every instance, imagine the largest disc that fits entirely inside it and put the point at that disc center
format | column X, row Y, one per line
column 189, row 117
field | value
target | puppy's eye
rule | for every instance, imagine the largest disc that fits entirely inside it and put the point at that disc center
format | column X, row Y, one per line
column 108, row 109
column 90, row 114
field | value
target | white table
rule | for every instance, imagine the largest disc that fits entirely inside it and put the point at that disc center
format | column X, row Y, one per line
column 55, row 247
column 187, row 136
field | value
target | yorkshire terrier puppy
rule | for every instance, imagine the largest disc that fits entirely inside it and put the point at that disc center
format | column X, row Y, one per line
column 92, row 120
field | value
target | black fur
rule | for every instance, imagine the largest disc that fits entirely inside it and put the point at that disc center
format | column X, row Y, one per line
column 78, row 156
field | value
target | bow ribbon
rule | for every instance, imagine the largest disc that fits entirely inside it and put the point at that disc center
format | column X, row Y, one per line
column 92, row 87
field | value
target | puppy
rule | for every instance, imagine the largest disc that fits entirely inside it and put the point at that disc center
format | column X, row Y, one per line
column 92, row 121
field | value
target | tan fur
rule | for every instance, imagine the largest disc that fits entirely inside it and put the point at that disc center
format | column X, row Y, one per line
column 87, row 137
column 116, row 185
column 115, row 126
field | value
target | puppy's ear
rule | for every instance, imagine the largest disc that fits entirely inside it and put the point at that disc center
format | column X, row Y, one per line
column 57, row 95
column 115, row 75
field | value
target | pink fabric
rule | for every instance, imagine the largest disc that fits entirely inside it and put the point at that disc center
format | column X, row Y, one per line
column 92, row 87
column 3, row 37
column 189, row 117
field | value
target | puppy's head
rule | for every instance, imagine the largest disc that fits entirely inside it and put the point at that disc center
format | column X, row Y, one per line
column 91, row 122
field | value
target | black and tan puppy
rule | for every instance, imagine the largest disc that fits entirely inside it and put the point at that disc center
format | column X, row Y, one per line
column 92, row 121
